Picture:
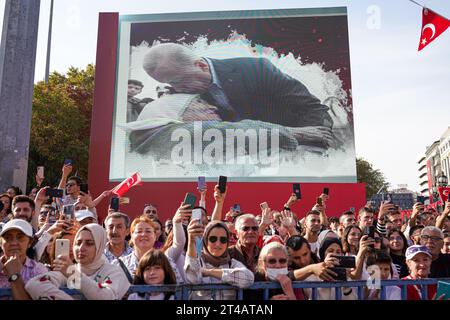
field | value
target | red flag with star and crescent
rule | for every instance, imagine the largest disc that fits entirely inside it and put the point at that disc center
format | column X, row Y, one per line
column 432, row 26
column 444, row 193
column 127, row 184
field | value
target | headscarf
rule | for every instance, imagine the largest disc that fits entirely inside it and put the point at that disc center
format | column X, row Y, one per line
column 325, row 244
column 323, row 235
column 100, row 239
column 206, row 255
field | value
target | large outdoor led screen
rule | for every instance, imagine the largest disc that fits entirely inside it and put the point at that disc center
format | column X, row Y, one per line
column 253, row 95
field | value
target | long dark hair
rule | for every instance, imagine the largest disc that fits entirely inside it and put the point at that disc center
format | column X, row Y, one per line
column 345, row 244
column 405, row 242
column 155, row 257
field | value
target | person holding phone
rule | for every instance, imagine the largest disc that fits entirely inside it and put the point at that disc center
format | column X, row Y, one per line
column 92, row 274
column 5, row 212
column 16, row 269
column 214, row 264
column 330, row 249
column 397, row 249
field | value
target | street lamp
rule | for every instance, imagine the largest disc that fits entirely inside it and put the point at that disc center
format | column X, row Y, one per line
column 442, row 180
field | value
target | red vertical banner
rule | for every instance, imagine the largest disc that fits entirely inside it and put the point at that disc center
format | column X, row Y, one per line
column 430, row 181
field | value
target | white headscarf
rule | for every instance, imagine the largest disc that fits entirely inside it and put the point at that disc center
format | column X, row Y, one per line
column 162, row 111
column 100, row 239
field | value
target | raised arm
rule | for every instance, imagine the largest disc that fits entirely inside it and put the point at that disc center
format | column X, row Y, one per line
column 441, row 219
column 218, row 207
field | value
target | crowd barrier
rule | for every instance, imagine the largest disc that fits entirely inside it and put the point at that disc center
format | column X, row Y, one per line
column 182, row 291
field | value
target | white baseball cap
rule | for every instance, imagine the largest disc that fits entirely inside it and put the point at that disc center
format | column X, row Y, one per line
column 18, row 224
column 80, row 215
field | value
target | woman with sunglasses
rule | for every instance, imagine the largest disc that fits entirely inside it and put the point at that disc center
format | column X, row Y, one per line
column 273, row 266
column 208, row 261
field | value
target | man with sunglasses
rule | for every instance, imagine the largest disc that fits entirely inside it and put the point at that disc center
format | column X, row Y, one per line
column 246, row 249
column 433, row 239
column 70, row 185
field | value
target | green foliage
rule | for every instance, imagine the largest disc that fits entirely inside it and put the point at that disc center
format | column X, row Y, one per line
column 373, row 178
column 60, row 125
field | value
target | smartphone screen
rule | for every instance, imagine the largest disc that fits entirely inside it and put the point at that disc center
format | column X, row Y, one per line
column 236, row 207
column 222, row 184
column 201, row 184
column 62, row 247
column 114, row 205
column 264, row 205
column 197, row 214
column 296, row 190
column 68, row 211
column 84, row 188
column 190, row 199
column 68, row 161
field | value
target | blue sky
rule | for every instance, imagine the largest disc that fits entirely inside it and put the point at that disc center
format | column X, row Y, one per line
column 400, row 96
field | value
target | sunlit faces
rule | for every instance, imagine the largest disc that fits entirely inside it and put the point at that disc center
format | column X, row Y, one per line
column 385, row 270
column 432, row 240
column 396, row 220
column 72, row 187
column 353, row 237
column 276, row 259
column 143, row 236
column 446, row 247
column 348, row 220
column 419, row 265
column 334, row 249
column 116, row 230
column 396, row 242
column 84, row 248
column 301, row 257
column 154, row 275
column 23, row 210
column 217, row 242
column 6, row 202
column 248, row 232
column 15, row 242
column 366, row 219
column 151, row 212
column 312, row 223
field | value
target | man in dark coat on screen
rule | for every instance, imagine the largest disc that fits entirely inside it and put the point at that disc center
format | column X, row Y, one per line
column 243, row 88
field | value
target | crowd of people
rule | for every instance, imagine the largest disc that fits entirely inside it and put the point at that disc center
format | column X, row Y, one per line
column 232, row 247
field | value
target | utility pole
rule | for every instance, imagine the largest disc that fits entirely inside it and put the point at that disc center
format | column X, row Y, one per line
column 17, row 62
column 49, row 43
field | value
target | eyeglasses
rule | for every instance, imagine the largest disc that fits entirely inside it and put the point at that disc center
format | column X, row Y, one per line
column 213, row 239
column 280, row 261
column 427, row 237
column 44, row 213
column 247, row 228
column 398, row 238
column 150, row 211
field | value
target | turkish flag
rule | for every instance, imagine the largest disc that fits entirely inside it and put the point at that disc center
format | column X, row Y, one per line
column 432, row 26
column 444, row 192
column 127, row 184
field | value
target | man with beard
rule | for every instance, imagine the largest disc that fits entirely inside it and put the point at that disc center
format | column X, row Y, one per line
column 23, row 208
column 312, row 230
column 117, row 229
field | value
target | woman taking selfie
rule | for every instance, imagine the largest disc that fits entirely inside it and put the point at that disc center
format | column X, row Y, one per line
column 92, row 275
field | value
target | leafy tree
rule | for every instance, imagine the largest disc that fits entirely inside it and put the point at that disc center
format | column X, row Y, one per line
column 60, row 125
column 373, row 178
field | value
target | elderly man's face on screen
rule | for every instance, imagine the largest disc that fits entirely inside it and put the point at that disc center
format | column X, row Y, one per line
column 178, row 66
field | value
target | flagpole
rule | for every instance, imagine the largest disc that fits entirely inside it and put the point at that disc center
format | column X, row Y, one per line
column 422, row 6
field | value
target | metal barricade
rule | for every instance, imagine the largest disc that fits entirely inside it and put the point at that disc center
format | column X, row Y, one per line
column 183, row 291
